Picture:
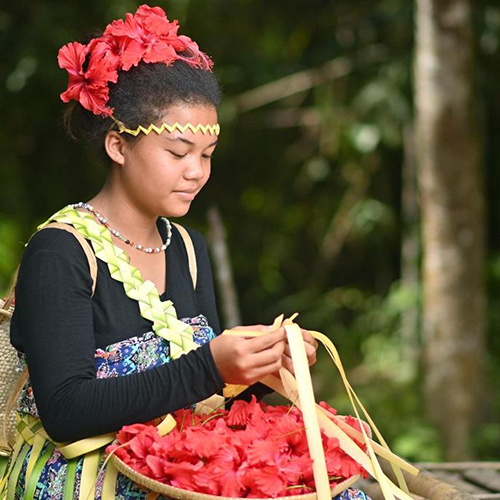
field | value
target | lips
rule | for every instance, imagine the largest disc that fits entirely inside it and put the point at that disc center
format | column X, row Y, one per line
column 188, row 195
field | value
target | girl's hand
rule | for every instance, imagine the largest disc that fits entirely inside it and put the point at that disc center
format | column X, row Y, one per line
column 311, row 347
column 245, row 361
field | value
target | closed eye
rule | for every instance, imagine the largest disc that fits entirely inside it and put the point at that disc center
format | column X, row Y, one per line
column 177, row 155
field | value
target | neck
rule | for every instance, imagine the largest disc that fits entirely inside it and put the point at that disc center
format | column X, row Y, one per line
column 124, row 215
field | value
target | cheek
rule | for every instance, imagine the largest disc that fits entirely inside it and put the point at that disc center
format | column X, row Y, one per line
column 206, row 173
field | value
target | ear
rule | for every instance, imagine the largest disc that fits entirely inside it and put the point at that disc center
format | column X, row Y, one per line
column 115, row 145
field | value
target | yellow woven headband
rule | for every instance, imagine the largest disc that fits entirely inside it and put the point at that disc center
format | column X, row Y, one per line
column 205, row 129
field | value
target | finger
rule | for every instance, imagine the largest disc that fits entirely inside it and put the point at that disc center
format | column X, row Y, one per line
column 252, row 328
column 259, row 372
column 310, row 347
column 308, row 338
column 310, row 350
column 267, row 356
column 264, row 342
column 287, row 363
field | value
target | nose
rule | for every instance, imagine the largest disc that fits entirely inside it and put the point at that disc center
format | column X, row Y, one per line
column 195, row 169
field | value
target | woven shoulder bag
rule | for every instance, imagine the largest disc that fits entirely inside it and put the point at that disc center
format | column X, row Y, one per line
column 11, row 379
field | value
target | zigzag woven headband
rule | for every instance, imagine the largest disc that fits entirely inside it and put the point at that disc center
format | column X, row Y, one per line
column 204, row 129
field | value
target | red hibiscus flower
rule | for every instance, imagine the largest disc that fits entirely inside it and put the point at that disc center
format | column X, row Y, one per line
column 194, row 55
column 203, row 444
column 142, row 443
column 182, row 475
column 268, row 481
column 128, row 432
column 229, row 479
column 264, row 451
column 145, row 11
column 238, row 414
column 327, row 407
column 89, row 87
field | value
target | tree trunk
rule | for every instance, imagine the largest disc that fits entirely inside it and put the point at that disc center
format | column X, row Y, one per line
column 410, row 252
column 223, row 270
column 453, row 219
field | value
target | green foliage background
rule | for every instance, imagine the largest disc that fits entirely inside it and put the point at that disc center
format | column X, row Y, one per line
column 278, row 182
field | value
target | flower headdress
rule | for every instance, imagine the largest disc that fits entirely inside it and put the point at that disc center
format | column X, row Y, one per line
column 145, row 36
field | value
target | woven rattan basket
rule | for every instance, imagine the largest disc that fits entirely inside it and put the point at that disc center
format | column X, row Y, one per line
column 8, row 372
column 176, row 493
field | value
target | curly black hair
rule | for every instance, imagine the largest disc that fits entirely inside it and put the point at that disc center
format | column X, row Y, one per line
column 141, row 96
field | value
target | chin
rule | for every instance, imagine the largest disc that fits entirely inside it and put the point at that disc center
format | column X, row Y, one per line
column 177, row 211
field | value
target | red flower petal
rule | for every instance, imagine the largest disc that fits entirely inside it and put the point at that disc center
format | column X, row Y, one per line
column 205, row 483
column 159, row 52
column 73, row 92
column 71, row 58
column 131, row 28
column 159, row 26
column 267, row 481
column 127, row 432
column 132, row 54
column 157, row 466
column 145, row 11
column 238, row 414
column 203, row 444
column 182, row 475
column 264, row 452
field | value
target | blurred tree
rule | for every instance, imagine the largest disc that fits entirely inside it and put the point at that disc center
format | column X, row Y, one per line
column 453, row 215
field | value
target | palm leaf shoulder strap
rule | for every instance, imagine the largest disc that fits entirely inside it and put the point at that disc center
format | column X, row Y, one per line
column 161, row 313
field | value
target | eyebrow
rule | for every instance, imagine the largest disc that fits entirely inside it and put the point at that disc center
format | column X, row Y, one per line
column 186, row 141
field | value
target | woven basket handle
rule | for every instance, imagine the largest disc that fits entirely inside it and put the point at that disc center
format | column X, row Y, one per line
column 91, row 258
column 188, row 243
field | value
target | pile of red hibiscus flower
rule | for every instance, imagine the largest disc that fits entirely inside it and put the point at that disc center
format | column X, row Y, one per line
column 252, row 450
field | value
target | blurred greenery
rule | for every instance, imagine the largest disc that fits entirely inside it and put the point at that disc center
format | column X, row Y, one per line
column 309, row 185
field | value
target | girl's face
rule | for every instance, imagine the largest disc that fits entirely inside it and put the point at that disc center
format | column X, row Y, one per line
column 163, row 173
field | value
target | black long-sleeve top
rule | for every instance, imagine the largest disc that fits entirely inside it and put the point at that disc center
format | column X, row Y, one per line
column 59, row 326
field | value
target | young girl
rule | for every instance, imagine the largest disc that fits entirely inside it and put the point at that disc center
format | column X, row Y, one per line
column 100, row 359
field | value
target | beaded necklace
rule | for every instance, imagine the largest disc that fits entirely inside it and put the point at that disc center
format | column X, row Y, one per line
column 114, row 232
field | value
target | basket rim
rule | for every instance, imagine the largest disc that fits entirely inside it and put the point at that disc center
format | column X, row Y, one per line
column 179, row 494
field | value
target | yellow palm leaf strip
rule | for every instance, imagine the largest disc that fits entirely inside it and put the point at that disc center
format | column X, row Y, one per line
column 89, row 475
column 167, row 425
column 346, row 443
column 38, row 444
column 377, row 472
column 336, row 359
column 109, row 483
column 379, row 450
column 352, row 394
column 308, row 407
column 87, row 445
column 209, row 405
column 291, row 390
column 15, row 454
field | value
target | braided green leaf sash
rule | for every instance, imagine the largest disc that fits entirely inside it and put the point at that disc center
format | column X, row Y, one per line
column 162, row 314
